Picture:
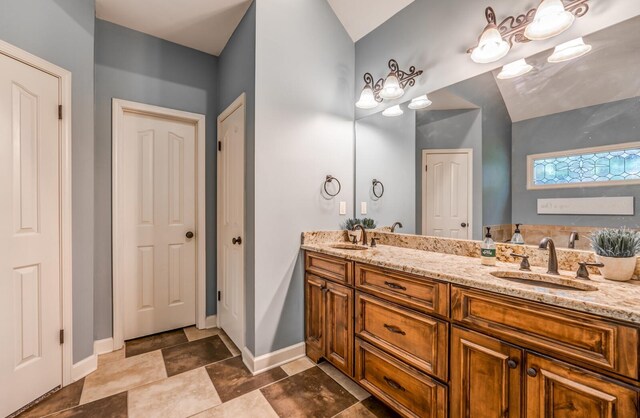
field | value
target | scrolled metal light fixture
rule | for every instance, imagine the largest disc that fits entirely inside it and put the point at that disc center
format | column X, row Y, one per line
column 550, row 19
column 390, row 88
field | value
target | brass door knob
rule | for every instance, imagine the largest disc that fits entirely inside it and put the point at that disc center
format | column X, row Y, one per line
column 463, row 224
column 189, row 235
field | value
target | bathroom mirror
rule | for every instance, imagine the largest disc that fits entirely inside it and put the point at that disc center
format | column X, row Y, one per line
column 556, row 149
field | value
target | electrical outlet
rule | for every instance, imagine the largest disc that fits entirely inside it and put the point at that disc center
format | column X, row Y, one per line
column 343, row 208
column 363, row 208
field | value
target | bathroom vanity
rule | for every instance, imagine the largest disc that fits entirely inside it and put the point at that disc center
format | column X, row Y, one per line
column 434, row 334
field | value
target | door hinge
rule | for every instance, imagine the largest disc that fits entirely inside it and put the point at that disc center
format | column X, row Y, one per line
column 61, row 336
column 219, row 295
column 219, row 145
column 60, row 112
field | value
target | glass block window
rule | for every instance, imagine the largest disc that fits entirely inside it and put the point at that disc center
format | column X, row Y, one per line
column 602, row 166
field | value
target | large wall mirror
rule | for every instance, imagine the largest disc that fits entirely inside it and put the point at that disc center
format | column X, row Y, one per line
column 556, row 150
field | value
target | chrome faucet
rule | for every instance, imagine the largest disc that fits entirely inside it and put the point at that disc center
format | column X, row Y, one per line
column 553, row 257
column 573, row 238
column 364, row 233
column 396, row 224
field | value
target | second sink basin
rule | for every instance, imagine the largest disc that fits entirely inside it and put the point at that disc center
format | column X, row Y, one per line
column 544, row 280
column 346, row 246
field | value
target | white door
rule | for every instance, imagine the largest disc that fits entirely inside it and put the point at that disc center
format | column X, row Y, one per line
column 231, row 222
column 30, row 307
column 446, row 195
column 159, row 264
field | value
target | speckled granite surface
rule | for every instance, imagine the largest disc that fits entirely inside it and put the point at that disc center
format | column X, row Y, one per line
column 611, row 299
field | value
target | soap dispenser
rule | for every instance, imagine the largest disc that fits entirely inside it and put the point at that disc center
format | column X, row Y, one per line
column 488, row 250
column 517, row 237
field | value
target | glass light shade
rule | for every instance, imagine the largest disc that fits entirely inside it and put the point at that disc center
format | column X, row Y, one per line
column 391, row 88
column 515, row 69
column 392, row 111
column 420, row 102
column 491, row 47
column 569, row 50
column 551, row 19
column 367, row 99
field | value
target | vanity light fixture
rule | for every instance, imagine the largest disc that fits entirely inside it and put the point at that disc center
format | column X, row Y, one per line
column 389, row 88
column 392, row 111
column 569, row 50
column 515, row 69
column 551, row 18
column 420, row 102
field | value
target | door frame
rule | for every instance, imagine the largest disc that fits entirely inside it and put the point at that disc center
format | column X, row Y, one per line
column 119, row 108
column 65, row 193
column 237, row 103
column 423, row 185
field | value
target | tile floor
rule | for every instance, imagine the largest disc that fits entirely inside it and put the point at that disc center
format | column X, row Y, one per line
column 190, row 372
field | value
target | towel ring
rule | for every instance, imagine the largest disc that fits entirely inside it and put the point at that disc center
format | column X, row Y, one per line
column 328, row 180
column 377, row 183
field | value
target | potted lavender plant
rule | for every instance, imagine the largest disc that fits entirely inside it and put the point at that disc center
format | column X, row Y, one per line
column 617, row 250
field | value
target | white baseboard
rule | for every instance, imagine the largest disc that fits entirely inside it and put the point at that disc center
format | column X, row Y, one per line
column 274, row 359
column 84, row 367
column 103, row 346
column 211, row 322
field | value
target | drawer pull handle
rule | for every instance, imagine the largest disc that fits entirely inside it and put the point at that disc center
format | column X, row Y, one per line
column 512, row 364
column 395, row 286
column 532, row 372
column 394, row 329
column 393, row 384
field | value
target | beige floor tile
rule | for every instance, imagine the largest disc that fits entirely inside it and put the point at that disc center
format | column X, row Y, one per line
column 344, row 381
column 110, row 357
column 298, row 366
column 250, row 405
column 230, row 345
column 179, row 396
column 194, row 333
column 121, row 375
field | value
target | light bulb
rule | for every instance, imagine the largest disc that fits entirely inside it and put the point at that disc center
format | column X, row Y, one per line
column 420, row 102
column 367, row 99
column 391, row 88
column 515, row 69
column 551, row 19
column 491, row 47
column 569, row 50
column 392, row 111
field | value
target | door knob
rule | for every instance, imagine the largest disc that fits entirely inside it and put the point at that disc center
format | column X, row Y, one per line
column 512, row 364
column 237, row 240
column 532, row 372
column 189, row 234
column 463, row 224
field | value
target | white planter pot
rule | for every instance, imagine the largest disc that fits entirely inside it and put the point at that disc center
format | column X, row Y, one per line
column 619, row 269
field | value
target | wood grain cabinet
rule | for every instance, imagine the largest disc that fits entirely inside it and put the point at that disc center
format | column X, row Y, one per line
column 329, row 322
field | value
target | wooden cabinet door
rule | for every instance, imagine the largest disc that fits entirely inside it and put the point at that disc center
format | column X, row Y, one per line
column 486, row 377
column 557, row 390
column 314, row 316
column 339, row 327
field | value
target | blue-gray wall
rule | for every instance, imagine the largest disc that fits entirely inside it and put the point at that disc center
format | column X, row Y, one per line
column 61, row 32
column 304, row 131
column 385, row 150
column 134, row 66
column 237, row 74
column 451, row 129
column 605, row 124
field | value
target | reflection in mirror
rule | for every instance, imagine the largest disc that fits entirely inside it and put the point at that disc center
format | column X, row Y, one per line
column 556, row 149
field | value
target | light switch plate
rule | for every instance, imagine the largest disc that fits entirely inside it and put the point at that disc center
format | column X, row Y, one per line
column 363, row 208
column 343, row 208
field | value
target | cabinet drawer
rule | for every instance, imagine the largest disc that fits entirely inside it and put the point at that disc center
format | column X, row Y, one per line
column 418, row 293
column 417, row 339
column 565, row 334
column 405, row 389
column 329, row 267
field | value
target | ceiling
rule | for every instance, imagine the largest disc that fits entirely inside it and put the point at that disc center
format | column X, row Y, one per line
column 205, row 25
column 359, row 17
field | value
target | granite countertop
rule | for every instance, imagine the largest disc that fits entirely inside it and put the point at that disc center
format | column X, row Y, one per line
column 615, row 300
